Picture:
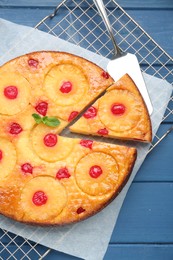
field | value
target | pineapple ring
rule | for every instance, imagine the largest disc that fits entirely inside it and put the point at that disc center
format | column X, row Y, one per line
column 65, row 73
column 7, row 158
column 107, row 179
column 129, row 119
column 16, row 105
column 47, row 206
column 53, row 153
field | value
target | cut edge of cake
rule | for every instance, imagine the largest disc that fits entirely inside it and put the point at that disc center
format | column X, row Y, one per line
column 140, row 128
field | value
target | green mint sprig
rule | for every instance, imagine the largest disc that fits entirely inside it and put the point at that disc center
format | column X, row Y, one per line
column 49, row 121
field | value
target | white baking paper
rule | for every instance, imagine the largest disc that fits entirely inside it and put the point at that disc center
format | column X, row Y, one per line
column 88, row 239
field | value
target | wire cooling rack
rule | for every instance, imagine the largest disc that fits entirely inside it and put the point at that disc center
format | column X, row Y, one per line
column 78, row 22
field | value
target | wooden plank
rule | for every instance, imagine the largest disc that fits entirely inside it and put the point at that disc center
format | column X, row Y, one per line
column 28, row 17
column 159, row 26
column 148, row 4
column 136, row 252
column 126, row 252
column 124, row 3
column 146, row 216
column 30, row 3
column 158, row 165
column 114, row 251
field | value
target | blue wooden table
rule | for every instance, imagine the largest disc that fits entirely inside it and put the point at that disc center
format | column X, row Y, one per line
column 145, row 225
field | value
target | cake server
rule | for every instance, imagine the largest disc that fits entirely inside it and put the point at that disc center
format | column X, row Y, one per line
column 123, row 62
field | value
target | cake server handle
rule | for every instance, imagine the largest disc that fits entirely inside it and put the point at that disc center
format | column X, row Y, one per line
column 101, row 8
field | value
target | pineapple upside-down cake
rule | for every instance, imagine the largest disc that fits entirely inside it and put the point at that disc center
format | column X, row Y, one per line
column 46, row 178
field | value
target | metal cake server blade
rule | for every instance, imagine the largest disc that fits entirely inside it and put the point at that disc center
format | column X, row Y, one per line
column 122, row 62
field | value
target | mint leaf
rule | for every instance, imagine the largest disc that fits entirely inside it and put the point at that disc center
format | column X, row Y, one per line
column 51, row 121
column 38, row 118
column 44, row 118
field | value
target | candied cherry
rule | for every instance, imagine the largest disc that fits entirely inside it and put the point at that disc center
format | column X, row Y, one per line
column 72, row 115
column 33, row 63
column 66, row 87
column 95, row 171
column 103, row 131
column 90, row 113
column 80, row 210
column 62, row 173
column 105, row 75
column 27, row 168
column 41, row 108
column 39, row 198
column 50, row 140
column 15, row 129
column 11, row 92
column 86, row 143
column 118, row 109
column 1, row 155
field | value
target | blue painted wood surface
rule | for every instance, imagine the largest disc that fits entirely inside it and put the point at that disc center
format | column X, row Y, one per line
column 145, row 225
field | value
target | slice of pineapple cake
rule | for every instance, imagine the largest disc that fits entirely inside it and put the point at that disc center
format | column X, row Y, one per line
column 120, row 113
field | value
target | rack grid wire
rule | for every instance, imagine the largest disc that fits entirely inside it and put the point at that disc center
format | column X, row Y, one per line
column 79, row 22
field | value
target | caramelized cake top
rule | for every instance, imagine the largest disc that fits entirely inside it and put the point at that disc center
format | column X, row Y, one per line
column 47, row 178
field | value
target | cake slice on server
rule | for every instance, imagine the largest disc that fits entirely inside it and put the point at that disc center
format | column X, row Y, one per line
column 120, row 113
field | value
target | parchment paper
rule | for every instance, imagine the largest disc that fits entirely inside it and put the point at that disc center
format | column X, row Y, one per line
column 88, row 239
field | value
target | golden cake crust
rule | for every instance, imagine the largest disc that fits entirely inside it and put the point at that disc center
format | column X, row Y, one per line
column 46, row 178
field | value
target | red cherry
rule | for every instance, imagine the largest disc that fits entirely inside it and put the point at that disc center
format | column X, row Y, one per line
column 33, row 63
column 103, row 131
column 1, row 155
column 90, row 113
column 72, row 115
column 80, row 210
column 15, row 129
column 62, row 173
column 105, row 75
column 27, row 168
column 11, row 92
column 50, row 140
column 41, row 108
column 95, row 171
column 118, row 109
column 39, row 198
column 66, row 87
column 86, row 143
